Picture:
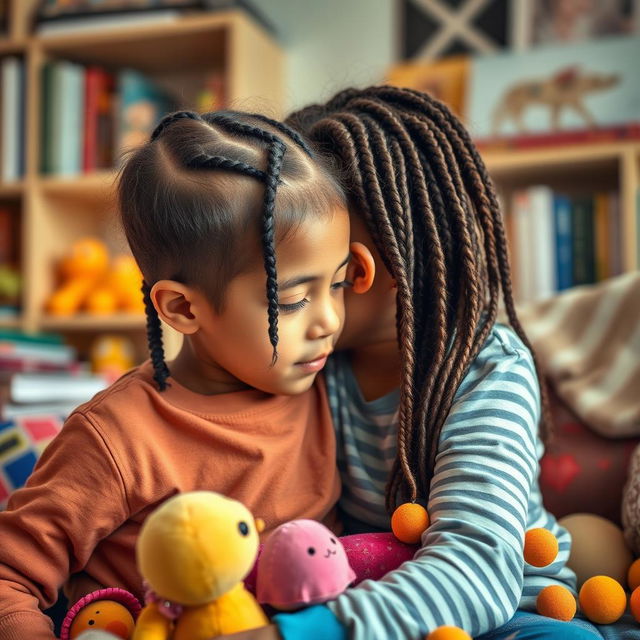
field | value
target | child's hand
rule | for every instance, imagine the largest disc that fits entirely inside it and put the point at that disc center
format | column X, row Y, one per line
column 270, row 632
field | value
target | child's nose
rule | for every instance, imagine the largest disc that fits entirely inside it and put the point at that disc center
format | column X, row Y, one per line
column 327, row 322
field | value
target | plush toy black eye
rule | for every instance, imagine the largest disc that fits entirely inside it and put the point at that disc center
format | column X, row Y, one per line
column 91, row 622
column 311, row 551
column 332, row 540
column 243, row 527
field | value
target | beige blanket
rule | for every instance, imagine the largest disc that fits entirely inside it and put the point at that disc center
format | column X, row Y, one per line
column 588, row 342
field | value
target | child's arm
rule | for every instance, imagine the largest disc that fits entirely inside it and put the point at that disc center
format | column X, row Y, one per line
column 74, row 498
column 469, row 571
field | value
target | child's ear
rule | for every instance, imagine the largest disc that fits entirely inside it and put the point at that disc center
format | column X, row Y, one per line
column 174, row 303
column 362, row 268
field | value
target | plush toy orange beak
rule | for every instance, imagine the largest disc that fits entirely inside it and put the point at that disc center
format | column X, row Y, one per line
column 260, row 525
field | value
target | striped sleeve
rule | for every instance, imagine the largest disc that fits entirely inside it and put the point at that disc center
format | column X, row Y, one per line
column 469, row 570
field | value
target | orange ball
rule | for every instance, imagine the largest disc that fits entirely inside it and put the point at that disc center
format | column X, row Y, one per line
column 540, row 547
column 556, row 602
column 408, row 522
column 634, row 603
column 602, row 599
column 633, row 575
column 448, row 633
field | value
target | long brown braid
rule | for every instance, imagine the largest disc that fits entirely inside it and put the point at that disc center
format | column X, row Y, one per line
column 426, row 197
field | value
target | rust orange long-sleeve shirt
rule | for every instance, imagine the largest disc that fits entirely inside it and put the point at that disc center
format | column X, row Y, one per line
column 132, row 447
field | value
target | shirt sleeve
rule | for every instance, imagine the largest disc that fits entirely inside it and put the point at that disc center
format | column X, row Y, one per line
column 74, row 498
column 469, row 570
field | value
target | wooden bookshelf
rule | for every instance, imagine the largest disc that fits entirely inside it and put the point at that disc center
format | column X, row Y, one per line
column 56, row 211
column 611, row 166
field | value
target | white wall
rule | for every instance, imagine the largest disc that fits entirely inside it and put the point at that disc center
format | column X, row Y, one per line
column 332, row 44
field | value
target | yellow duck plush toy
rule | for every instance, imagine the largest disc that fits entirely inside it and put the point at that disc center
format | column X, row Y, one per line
column 193, row 552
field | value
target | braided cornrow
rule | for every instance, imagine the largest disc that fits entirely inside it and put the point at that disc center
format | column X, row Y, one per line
column 428, row 202
column 154, row 337
column 180, row 219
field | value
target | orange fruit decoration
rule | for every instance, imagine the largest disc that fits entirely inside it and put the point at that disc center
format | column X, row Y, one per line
column 540, row 547
column 556, row 602
column 633, row 575
column 602, row 599
column 88, row 257
column 408, row 522
column 449, row 633
column 634, row 603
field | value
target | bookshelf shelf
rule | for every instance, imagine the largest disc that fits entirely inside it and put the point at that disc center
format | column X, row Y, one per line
column 86, row 322
column 180, row 56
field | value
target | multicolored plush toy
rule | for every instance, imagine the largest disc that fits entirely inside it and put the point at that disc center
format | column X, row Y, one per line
column 194, row 551
column 302, row 563
column 113, row 610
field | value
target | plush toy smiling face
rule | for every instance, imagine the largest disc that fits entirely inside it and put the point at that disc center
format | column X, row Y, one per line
column 302, row 563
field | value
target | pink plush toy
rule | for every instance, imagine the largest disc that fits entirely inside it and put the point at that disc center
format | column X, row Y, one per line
column 302, row 563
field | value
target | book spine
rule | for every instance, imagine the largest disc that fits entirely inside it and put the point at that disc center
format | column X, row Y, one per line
column 542, row 240
column 564, row 249
column 90, row 142
column 10, row 117
column 523, row 253
column 601, row 233
column 72, row 94
column 583, row 240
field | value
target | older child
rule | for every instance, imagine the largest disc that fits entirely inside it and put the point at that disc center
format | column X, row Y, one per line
column 433, row 401
column 243, row 239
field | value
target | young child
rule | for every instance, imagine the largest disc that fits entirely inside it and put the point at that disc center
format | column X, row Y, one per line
column 433, row 400
column 243, row 239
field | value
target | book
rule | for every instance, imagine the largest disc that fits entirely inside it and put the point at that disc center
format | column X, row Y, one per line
column 601, row 236
column 541, row 225
column 12, row 70
column 583, row 241
column 615, row 239
column 63, row 92
column 522, row 253
column 55, row 355
column 141, row 104
column 97, row 152
column 61, row 387
column 564, row 244
column 12, row 411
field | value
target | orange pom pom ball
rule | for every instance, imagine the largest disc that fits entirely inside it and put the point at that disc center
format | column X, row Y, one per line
column 602, row 599
column 449, row 633
column 408, row 522
column 556, row 602
column 633, row 575
column 540, row 547
column 634, row 603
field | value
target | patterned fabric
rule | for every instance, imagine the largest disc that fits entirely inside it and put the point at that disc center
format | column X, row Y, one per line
column 470, row 571
column 588, row 341
column 21, row 442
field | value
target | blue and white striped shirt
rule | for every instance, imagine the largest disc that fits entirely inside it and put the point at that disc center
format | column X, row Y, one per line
column 470, row 570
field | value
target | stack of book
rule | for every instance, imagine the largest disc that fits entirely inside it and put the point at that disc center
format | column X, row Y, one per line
column 560, row 240
column 40, row 376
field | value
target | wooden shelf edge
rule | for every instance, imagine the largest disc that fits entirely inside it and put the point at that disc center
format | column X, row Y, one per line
column 86, row 322
column 518, row 160
column 180, row 26
column 82, row 184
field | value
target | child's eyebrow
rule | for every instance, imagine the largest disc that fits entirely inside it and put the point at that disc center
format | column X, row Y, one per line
column 294, row 282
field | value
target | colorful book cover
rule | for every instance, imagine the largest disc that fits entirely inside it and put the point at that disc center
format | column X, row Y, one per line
column 141, row 105
column 564, row 245
column 582, row 227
